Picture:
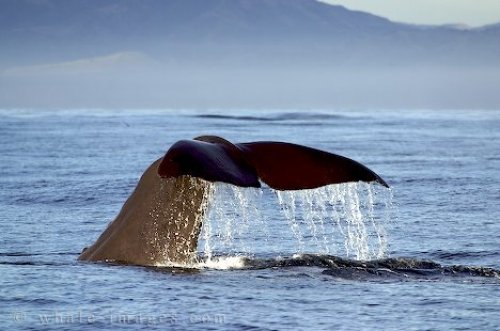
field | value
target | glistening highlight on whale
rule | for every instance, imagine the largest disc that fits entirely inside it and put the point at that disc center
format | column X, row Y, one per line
column 161, row 221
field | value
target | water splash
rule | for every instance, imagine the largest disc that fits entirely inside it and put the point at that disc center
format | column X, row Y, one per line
column 233, row 221
column 340, row 219
column 345, row 220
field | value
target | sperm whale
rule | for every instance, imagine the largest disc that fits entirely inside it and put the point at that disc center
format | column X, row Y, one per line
column 161, row 220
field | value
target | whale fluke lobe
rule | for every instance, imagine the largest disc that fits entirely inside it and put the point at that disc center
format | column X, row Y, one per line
column 285, row 166
column 282, row 166
column 161, row 220
column 215, row 162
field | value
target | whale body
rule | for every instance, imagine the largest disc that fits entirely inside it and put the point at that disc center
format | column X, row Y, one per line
column 161, row 220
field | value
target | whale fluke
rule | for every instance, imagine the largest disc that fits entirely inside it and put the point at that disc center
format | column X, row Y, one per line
column 282, row 166
column 161, row 220
column 285, row 166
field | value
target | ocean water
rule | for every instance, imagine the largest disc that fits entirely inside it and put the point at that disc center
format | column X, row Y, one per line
column 423, row 255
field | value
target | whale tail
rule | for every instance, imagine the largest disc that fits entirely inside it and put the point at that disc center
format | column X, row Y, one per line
column 161, row 221
column 282, row 166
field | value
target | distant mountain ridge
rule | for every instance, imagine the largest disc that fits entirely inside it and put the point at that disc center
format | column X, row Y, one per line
column 237, row 53
column 86, row 27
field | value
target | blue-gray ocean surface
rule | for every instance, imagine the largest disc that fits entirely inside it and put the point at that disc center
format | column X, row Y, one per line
column 432, row 242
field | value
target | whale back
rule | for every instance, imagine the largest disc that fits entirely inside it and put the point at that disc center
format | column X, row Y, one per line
column 158, row 224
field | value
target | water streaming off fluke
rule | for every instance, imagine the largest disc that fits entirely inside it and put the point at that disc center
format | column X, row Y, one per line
column 346, row 220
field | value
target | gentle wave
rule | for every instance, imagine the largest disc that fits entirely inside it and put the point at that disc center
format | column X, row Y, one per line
column 388, row 269
column 14, row 254
column 393, row 269
column 448, row 255
column 276, row 117
column 404, row 267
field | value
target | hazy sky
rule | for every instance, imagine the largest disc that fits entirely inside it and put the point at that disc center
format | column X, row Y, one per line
column 470, row 12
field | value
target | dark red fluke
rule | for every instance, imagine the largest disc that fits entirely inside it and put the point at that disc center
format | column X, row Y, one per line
column 282, row 166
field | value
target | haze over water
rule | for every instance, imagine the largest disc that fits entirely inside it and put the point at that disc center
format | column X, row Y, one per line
column 237, row 54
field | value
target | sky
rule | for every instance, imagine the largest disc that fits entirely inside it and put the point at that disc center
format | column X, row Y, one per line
column 470, row 12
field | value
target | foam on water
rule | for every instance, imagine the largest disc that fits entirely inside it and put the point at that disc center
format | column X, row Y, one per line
column 345, row 220
column 213, row 262
column 223, row 263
